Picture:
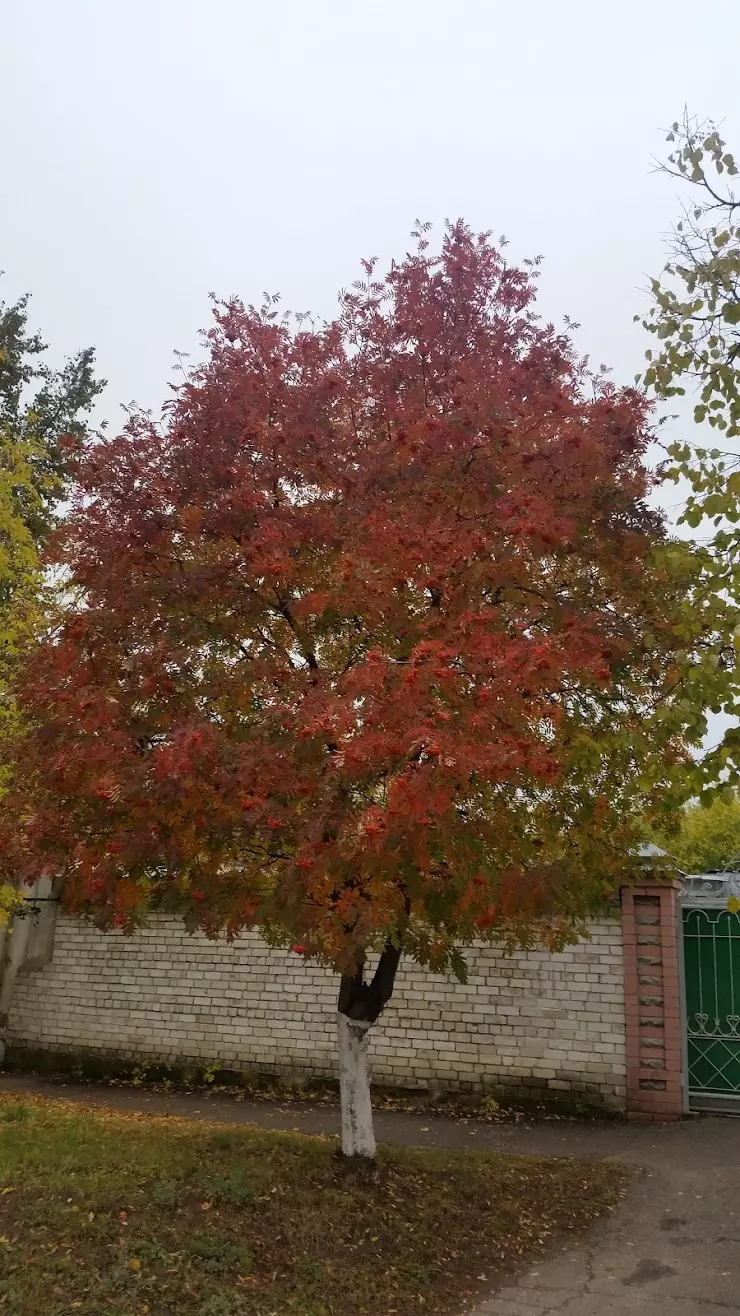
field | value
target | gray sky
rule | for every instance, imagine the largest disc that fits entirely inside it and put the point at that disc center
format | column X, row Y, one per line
column 157, row 150
column 160, row 150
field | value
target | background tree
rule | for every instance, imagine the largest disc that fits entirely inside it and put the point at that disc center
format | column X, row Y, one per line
column 696, row 303
column 42, row 423
column 373, row 643
column 695, row 316
column 707, row 840
column 43, row 411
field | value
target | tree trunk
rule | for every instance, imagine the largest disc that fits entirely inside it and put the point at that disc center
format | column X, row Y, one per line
column 360, row 1003
column 358, row 1136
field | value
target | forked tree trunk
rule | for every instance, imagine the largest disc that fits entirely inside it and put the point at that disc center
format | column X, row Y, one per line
column 360, row 1003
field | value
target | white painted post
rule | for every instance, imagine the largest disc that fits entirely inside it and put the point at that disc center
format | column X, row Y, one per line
column 15, row 946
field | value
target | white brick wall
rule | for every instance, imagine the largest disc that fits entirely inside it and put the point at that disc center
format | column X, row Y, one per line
column 524, row 1023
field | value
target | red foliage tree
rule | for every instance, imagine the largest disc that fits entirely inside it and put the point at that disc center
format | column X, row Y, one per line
column 364, row 644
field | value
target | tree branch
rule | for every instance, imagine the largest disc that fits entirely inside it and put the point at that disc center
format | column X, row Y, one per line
column 366, row 1001
column 306, row 651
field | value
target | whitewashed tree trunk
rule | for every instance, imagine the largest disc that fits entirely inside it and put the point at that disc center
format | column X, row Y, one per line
column 360, row 1004
column 358, row 1136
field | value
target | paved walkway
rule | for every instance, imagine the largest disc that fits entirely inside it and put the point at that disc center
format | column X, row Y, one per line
column 673, row 1249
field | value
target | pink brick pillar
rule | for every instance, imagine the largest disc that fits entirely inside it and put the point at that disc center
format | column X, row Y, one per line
column 652, row 1001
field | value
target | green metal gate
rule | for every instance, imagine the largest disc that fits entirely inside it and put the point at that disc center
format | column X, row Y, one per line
column 711, row 939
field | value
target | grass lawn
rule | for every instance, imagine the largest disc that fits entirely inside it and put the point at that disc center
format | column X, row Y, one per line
column 122, row 1215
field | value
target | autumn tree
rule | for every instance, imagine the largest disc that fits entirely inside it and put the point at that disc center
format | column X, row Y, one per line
column 695, row 318
column 372, row 643
column 43, row 415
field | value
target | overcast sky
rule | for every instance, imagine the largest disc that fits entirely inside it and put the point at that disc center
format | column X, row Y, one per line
column 157, row 150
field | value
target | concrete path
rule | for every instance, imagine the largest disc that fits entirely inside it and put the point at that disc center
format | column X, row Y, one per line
column 673, row 1249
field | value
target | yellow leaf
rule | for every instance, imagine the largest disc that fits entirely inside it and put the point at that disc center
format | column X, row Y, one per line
column 134, row 1264
column 733, row 904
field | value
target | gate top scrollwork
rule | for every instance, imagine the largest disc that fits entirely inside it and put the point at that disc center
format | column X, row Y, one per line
column 713, row 889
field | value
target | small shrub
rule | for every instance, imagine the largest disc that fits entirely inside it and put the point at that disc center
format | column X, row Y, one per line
column 421, row 1275
column 227, row 1139
column 217, row 1305
column 164, row 1193
column 216, row 1253
column 148, row 1249
column 14, row 1113
column 310, row 1268
column 235, row 1188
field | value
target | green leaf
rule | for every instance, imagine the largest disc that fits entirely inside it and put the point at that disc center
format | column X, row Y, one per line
column 459, row 966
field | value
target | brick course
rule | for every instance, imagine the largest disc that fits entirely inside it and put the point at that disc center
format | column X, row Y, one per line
column 533, row 1023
